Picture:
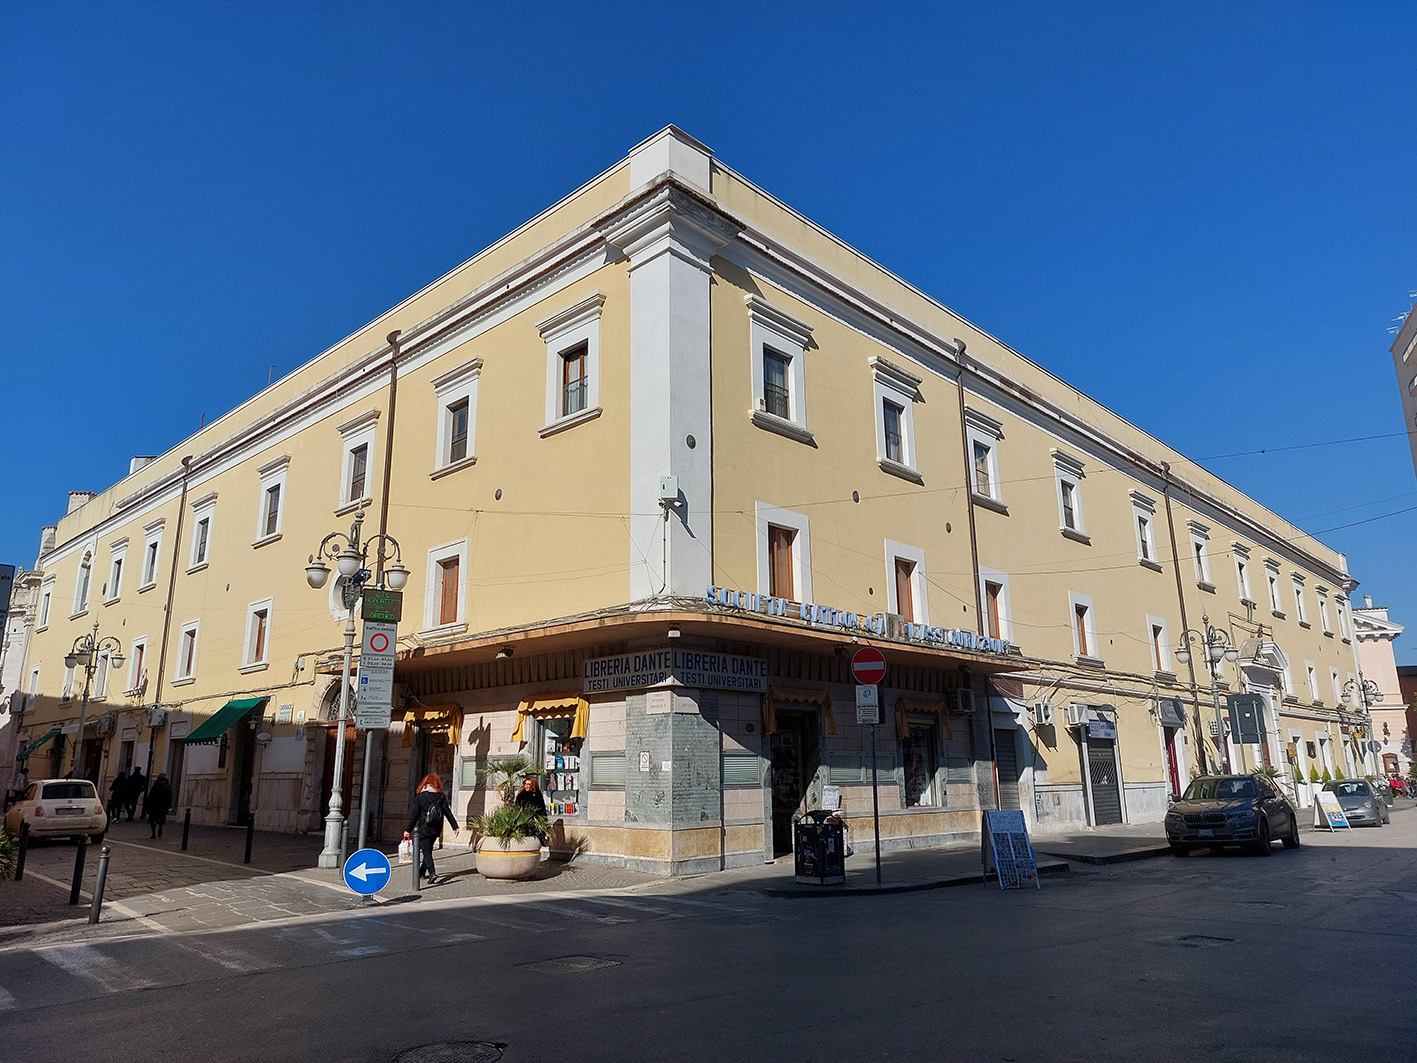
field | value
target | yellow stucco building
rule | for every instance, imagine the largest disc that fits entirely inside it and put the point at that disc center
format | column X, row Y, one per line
column 659, row 461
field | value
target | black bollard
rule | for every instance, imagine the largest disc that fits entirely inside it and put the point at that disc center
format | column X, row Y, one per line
column 24, row 848
column 415, row 859
column 97, row 905
column 250, row 833
column 186, row 827
column 79, row 869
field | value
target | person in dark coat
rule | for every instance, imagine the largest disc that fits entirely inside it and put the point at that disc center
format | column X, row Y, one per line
column 530, row 796
column 117, row 794
column 137, row 787
column 430, row 809
column 159, row 803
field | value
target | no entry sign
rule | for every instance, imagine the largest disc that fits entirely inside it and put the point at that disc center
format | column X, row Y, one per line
column 868, row 665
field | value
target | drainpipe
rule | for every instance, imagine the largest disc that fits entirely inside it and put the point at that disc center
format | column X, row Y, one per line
column 1181, row 601
column 167, row 611
column 969, row 492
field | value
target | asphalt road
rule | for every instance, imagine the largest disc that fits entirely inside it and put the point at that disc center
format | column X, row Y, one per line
column 1205, row 958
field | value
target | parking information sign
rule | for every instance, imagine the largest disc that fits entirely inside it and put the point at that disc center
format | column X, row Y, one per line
column 366, row 871
column 868, row 705
column 376, row 675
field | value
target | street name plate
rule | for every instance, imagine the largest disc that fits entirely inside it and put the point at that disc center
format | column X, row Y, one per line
column 382, row 606
column 868, row 706
column 376, row 675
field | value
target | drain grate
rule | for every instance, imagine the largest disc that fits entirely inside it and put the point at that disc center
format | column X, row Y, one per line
column 1202, row 941
column 572, row 964
column 453, row 1052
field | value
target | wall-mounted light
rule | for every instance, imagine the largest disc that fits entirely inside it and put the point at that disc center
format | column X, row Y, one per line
column 674, row 633
column 504, row 652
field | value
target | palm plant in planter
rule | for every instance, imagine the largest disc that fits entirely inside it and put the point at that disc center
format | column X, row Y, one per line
column 509, row 841
column 505, row 772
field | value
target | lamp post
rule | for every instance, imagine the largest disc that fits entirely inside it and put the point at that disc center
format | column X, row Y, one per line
column 1362, row 694
column 1216, row 647
column 85, row 653
column 351, row 556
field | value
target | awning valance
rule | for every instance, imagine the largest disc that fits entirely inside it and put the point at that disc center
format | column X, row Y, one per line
column 433, row 718
column 550, row 707
column 219, row 722
column 820, row 698
column 40, row 741
column 920, row 705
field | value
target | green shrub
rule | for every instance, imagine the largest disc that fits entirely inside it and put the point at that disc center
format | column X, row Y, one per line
column 1314, row 774
column 1338, row 773
column 512, row 823
column 1327, row 777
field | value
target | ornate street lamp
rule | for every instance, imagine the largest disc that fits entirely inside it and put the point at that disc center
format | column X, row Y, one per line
column 1361, row 695
column 87, row 649
column 1215, row 646
column 350, row 555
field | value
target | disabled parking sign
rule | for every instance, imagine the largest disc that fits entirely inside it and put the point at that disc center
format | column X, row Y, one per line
column 366, row 871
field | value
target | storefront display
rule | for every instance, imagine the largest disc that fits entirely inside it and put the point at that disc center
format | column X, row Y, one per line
column 561, row 765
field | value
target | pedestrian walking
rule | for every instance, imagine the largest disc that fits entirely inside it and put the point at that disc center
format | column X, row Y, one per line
column 117, row 794
column 158, row 804
column 430, row 809
column 137, row 788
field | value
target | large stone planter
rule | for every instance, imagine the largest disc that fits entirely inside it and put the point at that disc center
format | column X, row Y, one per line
column 497, row 859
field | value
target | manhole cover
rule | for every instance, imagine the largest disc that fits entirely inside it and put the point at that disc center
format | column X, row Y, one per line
column 1202, row 941
column 453, row 1052
column 572, row 964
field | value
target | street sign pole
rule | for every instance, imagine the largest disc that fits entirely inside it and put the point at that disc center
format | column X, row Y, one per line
column 376, row 682
column 868, row 667
column 875, row 805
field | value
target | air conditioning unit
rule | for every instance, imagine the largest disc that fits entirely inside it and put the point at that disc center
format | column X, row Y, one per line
column 157, row 717
column 105, row 725
column 1042, row 713
column 1077, row 714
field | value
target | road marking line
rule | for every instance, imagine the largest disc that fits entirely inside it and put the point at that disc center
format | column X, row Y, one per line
column 85, row 961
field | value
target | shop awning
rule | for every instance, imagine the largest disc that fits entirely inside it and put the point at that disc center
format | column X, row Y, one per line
column 433, row 718
column 820, row 698
column 41, row 740
column 217, row 724
column 552, row 706
column 920, row 705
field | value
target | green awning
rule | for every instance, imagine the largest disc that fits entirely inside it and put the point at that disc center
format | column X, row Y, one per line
column 215, row 725
column 41, row 740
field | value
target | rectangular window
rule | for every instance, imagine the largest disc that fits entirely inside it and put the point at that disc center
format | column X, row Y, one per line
column 1299, row 613
column 1084, row 628
column 574, row 382
column 1340, row 606
column 256, row 652
column 1069, row 495
column 1068, row 472
column 919, row 755
column 271, row 512
column 1242, row 571
column 357, row 447
column 100, row 676
column 1144, row 524
column 776, row 396
column 1160, row 644
column 199, row 541
column 778, row 342
column 358, row 472
column 993, row 609
column 457, row 430
column 1146, row 548
column 1271, row 577
column 983, row 433
column 115, row 578
column 1313, row 676
column 32, row 691
column 448, row 587
column 271, row 509
column 904, row 600
column 1200, row 551
column 82, row 584
column 44, row 601
column 892, row 415
column 607, row 769
column 572, row 339
column 66, row 693
column 1324, row 624
column 137, row 665
column 150, row 563
column 445, row 602
column 983, row 474
column 780, row 541
column 1080, row 618
column 455, row 441
column 895, row 390
column 1337, row 686
column 186, row 669
column 908, row 594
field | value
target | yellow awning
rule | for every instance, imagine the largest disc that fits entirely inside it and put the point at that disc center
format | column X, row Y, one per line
column 550, row 707
column 820, row 698
column 904, row 705
column 433, row 718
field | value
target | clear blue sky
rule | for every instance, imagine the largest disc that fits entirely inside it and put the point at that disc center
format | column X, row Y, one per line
column 1200, row 214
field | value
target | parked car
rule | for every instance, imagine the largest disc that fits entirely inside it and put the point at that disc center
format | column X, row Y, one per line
column 58, row 807
column 1219, row 810
column 1359, row 802
column 1383, row 792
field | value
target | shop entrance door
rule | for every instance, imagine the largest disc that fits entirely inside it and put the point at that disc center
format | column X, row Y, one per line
column 793, row 748
column 1006, row 759
column 243, row 760
column 91, row 758
column 1103, row 781
column 1173, row 767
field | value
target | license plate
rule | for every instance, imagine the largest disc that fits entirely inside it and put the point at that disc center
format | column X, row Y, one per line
column 1206, row 833
column 68, row 811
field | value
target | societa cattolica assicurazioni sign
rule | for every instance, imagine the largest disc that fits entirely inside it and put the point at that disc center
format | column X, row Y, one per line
column 879, row 625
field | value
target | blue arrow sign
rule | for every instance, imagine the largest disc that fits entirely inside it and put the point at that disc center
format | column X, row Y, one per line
column 366, row 871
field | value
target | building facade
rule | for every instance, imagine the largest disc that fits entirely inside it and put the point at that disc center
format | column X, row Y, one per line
column 659, row 462
column 1387, row 742
column 1404, row 361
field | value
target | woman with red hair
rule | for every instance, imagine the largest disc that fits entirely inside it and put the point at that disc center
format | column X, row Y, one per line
column 429, row 810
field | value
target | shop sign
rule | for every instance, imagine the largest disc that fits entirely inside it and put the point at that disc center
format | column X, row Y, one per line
column 828, row 618
column 690, row 668
column 1171, row 712
column 1102, row 729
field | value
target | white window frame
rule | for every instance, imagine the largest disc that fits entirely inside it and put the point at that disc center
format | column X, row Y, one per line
column 919, row 586
column 433, row 596
column 203, row 509
column 1089, row 627
column 982, row 430
column 249, row 661
column 1166, row 664
column 901, row 388
column 66, row 692
column 1311, row 673
column 1286, row 680
column 193, row 630
column 1144, row 528
column 101, row 669
column 1068, row 476
column 135, row 663
column 46, row 604
column 360, row 431
column 1322, row 594
column 272, row 474
column 775, row 329
column 32, row 690
column 1271, row 575
column 765, row 515
column 1241, row 554
column 1337, row 681
column 451, row 388
column 1200, row 554
column 152, row 549
column 1340, row 609
column 117, row 562
column 1006, row 623
column 1300, row 613
column 562, row 332
column 83, row 583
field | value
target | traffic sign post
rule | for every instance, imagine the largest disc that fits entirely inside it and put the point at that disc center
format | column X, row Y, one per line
column 868, row 667
column 366, row 871
column 376, row 675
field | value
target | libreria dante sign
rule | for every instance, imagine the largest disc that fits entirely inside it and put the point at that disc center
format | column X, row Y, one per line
column 824, row 616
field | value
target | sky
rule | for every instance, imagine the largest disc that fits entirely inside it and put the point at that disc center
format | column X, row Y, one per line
column 1201, row 215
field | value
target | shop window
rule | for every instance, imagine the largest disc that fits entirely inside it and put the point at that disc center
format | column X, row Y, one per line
column 779, row 343
column 561, row 767
column 919, row 756
column 608, row 769
column 742, row 769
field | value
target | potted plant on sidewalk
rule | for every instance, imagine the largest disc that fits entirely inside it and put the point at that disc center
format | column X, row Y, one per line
column 509, row 842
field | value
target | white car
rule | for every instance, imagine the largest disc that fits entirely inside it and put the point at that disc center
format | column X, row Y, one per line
column 59, row 807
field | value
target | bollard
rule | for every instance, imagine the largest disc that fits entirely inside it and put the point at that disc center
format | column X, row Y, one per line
column 415, row 859
column 250, row 833
column 186, row 827
column 97, row 905
column 79, row 869
column 24, row 848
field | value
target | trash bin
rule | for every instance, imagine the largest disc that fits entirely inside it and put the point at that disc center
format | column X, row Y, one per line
column 819, row 848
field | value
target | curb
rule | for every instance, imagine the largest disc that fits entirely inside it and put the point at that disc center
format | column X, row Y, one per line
column 794, row 892
column 1120, row 858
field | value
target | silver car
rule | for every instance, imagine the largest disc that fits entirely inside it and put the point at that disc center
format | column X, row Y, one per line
column 1359, row 803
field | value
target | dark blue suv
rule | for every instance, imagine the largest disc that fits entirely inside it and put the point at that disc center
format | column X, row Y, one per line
column 1217, row 810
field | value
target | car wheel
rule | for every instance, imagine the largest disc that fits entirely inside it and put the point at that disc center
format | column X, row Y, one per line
column 1262, row 842
column 1177, row 849
column 97, row 839
column 1291, row 840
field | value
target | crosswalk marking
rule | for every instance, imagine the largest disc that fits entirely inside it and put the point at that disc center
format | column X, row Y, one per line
column 87, row 962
